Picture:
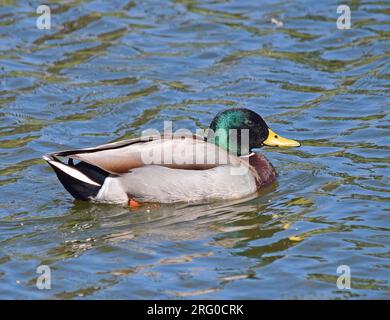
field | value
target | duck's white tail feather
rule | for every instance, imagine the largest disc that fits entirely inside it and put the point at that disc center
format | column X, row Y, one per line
column 71, row 171
column 83, row 181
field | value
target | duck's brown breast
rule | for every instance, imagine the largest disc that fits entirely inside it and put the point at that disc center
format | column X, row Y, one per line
column 265, row 170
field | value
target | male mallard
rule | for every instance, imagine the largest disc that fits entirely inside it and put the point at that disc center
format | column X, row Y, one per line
column 175, row 168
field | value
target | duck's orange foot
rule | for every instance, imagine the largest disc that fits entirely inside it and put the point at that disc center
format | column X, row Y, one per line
column 134, row 204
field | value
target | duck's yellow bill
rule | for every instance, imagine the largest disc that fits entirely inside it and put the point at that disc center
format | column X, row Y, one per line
column 275, row 140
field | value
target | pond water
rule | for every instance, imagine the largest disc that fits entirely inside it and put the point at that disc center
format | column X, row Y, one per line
column 107, row 70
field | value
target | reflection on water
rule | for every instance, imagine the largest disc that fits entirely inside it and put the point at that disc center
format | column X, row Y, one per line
column 108, row 70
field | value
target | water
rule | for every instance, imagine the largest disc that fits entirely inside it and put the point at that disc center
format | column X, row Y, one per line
column 108, row 70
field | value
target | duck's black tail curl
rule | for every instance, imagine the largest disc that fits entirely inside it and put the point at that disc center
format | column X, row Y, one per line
column 83, row 180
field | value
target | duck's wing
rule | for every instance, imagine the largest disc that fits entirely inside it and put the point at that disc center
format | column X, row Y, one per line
column 184, row 152
column 111, row 157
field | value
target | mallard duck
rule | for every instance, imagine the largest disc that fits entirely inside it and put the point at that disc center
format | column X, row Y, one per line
column 177, row 167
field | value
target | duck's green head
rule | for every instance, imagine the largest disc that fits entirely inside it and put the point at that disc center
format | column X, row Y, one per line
column 240, row 130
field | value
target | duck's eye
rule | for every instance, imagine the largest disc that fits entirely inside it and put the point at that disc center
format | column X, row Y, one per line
column 249, row 122
column 276, row 136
